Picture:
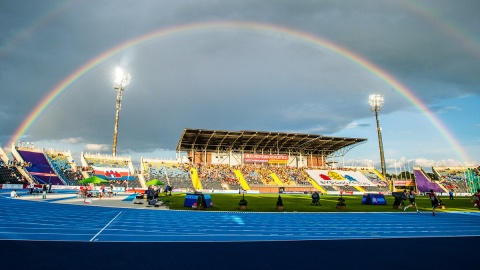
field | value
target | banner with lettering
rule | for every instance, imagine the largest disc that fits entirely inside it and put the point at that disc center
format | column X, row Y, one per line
column 339, row 178
column 263, row 158
column 404, row 183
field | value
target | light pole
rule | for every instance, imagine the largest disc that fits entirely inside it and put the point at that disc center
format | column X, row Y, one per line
column 376, row 105
column 122, row 79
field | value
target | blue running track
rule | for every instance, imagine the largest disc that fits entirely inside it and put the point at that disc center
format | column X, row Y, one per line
column 23, row 220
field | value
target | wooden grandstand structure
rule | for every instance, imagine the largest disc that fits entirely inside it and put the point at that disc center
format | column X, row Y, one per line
column 311, row 150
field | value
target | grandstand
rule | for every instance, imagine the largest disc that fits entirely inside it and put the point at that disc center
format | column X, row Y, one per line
column 9, row 174
column 170, row 172
column 425, row 184
column 264, row 161
column 118, row 170
column 37, row 165
column 227, row 161
column 64, row 166
column 48, row 166
column 452, row 178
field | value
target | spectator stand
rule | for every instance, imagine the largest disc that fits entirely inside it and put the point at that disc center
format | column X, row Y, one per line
column 117, row 169
column 369, row 173
column 9, row 174
column 452, row 178
column 168, row 171
column 425, row 184
column 62, row 163
column 217, row 177
column 250, row 174
column 38, row 166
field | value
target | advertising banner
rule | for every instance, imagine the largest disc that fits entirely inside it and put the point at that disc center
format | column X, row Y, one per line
column 403, row 183
column 191, row 200
column 339, row 178
column 113, row 173
column 371, row 198
column 262, row 158
column 43, row 174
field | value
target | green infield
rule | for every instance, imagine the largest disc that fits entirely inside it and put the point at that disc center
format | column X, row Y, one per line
column 302, row 203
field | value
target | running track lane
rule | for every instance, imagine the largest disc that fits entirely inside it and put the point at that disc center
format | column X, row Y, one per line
column 27, row 220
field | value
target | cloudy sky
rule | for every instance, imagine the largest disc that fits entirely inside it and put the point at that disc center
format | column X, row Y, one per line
column 289, row 66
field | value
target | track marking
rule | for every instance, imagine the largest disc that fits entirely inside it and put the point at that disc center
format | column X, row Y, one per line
column 105, row 227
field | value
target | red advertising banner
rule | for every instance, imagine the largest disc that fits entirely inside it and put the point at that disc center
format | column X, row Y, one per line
column 261, row 158
column 403, row 183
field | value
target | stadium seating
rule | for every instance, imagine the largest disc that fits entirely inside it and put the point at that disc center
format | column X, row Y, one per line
column 111, row 168
column 9, row 174
column 51, row 166
column 172, row 174
column 63, row 167
column 423, row 182
column 40, row 168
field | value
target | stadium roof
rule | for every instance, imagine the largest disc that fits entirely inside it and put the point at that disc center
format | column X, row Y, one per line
column 264, row 142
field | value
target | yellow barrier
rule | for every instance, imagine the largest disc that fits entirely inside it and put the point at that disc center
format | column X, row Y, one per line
column 277, row 180
column 317, row 186
column 195, row 179
column 241, row 179
column 359, row 188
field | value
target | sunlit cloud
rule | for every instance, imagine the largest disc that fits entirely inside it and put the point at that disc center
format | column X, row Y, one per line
column 96, row 147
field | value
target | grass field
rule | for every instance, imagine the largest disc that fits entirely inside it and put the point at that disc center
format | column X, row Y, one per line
column 301, row 203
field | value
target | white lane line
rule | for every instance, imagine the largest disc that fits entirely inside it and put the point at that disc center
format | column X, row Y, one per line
column 105, row 227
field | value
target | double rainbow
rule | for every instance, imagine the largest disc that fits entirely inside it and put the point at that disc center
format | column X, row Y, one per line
column 248, row 27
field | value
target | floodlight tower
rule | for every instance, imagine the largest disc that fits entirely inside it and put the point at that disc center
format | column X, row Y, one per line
column 376, row 105
column 122, row 79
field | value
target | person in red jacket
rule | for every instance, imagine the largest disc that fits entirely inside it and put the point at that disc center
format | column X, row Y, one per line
column 476, row 198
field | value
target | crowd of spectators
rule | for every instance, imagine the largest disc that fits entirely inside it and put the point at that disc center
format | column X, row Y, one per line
column 62, row 165
column 176, row 175
column 452, row 178
column 250, row 174
column 212, row 176
column 451, row 175
column 106, row 162
column 222, row 176
column 217, row 176
column 9, row 173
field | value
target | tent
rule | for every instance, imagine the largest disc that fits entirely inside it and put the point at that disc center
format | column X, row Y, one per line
column 154, row 182
column 94, row 179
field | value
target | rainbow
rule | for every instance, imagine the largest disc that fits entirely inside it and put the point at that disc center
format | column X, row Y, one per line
column 239, row 26
column 34, row 25
column 462, row 36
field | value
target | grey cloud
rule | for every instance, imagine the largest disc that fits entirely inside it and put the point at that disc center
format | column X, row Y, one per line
column 226, row 79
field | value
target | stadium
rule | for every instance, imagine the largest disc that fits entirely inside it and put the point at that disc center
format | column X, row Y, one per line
column 253, row 143
column 214, row 203
column 228, row 161
column 214, row 163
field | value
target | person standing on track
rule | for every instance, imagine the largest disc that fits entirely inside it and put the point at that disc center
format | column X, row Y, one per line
column 434, row 200
column 411, row 197
column 44, row 191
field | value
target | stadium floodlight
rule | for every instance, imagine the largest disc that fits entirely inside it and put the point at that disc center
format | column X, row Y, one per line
column 376, row 105
column 122, row 79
